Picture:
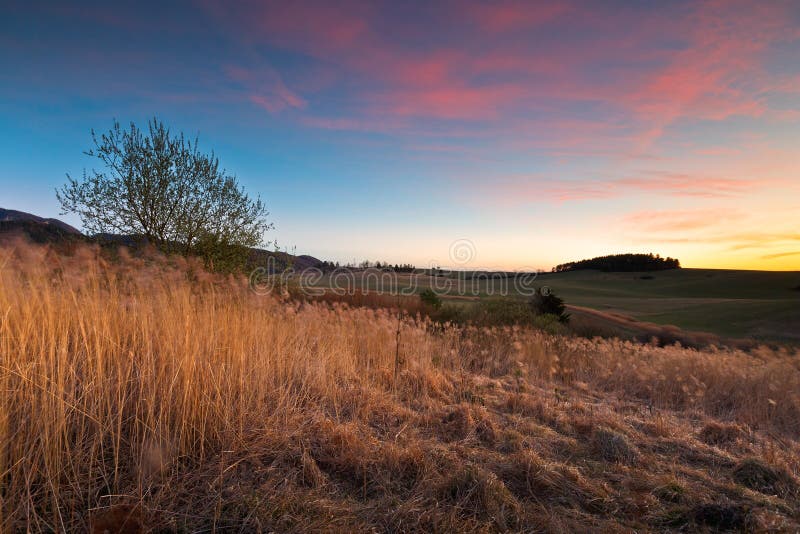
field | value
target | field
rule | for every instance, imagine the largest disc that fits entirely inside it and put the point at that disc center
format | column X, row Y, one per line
column 761, row 305
column 147, row 395
column 758, row 304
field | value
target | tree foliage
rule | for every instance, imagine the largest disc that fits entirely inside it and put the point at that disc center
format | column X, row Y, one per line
column 160, row 186
column 622, row 263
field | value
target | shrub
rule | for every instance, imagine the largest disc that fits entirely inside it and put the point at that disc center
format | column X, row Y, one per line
column 503, row 311
column 552, row 324
column 450, row 313
column 545, row 301
column 430, row 298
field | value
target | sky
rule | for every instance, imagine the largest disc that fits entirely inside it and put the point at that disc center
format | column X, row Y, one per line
column 509, row 135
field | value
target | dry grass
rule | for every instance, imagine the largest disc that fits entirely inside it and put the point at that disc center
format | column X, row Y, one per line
column 150, row 394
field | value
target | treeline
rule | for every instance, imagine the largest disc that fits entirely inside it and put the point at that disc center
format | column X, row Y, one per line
column 326, row 266
column 622, row 263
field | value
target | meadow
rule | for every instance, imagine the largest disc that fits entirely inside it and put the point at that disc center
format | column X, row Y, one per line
column 145, row 394
column 735, row 304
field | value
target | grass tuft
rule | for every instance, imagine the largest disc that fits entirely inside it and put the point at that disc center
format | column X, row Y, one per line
column 757, row 475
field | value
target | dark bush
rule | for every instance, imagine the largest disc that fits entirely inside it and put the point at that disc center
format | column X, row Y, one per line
column 545, row 301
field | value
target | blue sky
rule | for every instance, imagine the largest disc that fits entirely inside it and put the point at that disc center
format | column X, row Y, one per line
column 540, row 132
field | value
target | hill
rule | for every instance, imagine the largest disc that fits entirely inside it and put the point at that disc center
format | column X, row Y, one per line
column 55, row 232
column 37, row 229
column 20, row 217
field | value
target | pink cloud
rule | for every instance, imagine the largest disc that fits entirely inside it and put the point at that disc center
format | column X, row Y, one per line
column 521, row 189
column 451, row 102
column 508, row 16
column 661, row 221
column 687, row 185
column 504, row 65
column 657, row 183
column 265, row 88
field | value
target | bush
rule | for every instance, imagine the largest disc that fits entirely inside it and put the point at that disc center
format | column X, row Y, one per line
column 451, row 313
column 552, row 324
column 503, row 311
column 545, row 301
column 430, row 298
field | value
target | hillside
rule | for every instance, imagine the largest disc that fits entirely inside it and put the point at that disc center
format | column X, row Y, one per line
column 37, row 229
column 13, row 216
column 137, row 399
column 760, row 304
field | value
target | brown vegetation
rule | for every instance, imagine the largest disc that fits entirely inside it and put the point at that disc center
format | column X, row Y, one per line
column 150, row 393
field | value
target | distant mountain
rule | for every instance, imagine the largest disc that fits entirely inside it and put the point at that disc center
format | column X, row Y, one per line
column 42, row 230
column 14, row 216
column 282, row 260
column 37, row 229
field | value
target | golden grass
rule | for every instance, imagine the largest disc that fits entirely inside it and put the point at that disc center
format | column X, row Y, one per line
column 148, row 389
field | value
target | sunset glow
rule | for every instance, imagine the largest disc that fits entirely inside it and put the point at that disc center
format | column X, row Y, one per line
column 540, row 132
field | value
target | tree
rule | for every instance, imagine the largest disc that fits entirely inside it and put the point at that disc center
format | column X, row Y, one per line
column 545, row 302
column 161, row 187
column 622, row 263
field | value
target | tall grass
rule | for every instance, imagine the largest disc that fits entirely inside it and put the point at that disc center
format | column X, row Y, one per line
column 116, row 378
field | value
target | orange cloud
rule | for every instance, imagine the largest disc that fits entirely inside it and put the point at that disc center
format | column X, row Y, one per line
column 667, row 221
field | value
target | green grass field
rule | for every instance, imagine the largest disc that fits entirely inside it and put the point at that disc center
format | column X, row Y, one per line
column 738, row 304
column 758, row 304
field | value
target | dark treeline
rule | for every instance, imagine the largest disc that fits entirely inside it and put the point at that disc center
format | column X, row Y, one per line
column 327, row 266
column 622, row 263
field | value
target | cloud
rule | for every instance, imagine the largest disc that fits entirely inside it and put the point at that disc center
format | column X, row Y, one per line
column 726, row 228
column 264, row 87
column 653, row 182
column 617, row 79
column 738, row 241
column 780, row 255
column 503, row 17
column 672, row 221
column 688, row 185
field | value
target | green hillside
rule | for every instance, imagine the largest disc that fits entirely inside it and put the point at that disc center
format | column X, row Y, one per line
column 759, row 304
